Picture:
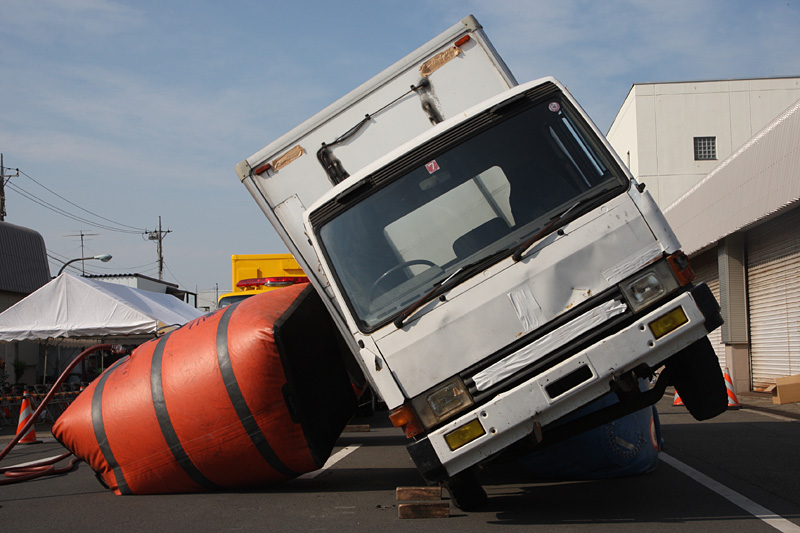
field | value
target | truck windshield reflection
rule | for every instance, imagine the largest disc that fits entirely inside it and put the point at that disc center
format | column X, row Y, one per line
column 489, row 193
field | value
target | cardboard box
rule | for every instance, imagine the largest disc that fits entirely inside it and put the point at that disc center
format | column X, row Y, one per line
column 787, row 390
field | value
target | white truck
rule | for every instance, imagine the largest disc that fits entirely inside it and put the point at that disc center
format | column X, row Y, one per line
column 490, row 262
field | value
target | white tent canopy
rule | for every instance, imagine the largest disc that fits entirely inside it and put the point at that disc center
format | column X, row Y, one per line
column 70, row 307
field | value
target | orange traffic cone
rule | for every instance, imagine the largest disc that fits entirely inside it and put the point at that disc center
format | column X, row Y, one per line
column 25, row 414
column 677, row 400
column 733, row 402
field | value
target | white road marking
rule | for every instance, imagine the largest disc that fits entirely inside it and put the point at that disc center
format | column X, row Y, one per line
column 762, row 513
column 332, row 460
column 770, row 415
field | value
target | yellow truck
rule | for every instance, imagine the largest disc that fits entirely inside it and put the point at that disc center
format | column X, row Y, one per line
column 256, row 273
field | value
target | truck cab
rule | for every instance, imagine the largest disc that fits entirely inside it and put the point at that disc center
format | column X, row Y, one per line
column 503, row 270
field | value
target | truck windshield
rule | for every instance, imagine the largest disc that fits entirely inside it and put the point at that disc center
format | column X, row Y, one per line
column 488, row 193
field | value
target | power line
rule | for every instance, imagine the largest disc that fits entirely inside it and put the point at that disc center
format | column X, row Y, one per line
column 151, row 270
column 173, row 275
column 155, row 235
column 33, row 198
column 56, row 256
column 57, row 262
column 151, row 264
column 79, row 207
column 47, row 205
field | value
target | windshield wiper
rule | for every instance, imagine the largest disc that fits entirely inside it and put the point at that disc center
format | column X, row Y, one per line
column 522, row 248
column 443, row 285
column 433, row 293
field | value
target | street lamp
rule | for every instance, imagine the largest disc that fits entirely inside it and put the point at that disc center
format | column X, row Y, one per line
column 105, row 258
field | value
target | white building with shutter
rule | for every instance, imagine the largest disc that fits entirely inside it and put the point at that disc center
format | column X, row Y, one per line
column 739, row 220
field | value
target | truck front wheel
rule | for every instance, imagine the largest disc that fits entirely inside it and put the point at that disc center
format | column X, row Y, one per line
column 466, row 491
column 697, row 377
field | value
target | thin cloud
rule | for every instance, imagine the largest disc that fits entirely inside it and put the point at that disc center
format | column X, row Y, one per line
column 145, row 107
column 68, row 20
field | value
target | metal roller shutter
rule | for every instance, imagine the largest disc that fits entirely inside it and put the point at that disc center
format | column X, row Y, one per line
column 706, row 270
column 773, row 268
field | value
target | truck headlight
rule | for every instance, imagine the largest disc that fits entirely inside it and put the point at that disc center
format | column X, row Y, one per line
column 649, row 286
column 442, row 402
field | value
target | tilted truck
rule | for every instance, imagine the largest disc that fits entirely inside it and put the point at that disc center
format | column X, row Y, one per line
column 490, row 262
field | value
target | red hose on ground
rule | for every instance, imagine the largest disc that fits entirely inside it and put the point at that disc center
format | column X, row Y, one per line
column 45, row 467
column 42, row 468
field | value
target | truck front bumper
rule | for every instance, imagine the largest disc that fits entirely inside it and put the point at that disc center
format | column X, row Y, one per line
column 519, row 412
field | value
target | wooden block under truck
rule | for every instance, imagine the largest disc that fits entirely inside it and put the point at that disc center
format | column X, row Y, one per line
column 490, row 262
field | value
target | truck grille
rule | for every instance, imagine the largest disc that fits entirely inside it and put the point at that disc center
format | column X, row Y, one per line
column 547, row 347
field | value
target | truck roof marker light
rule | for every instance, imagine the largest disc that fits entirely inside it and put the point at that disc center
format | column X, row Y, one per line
column 404, row 418
column 441, row 59
column 462, row 41
column 262, row 168
column 290, row 156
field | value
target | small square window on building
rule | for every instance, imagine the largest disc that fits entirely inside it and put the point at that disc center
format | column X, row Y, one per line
column 705, row 148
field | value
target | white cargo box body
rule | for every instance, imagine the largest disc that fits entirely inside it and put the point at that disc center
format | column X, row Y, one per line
column 286, row 176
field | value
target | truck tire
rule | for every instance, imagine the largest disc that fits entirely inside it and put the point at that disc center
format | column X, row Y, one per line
column 466, row 491
column 697, row 377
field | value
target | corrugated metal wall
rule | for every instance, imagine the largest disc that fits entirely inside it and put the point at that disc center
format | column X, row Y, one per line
column 773, row 267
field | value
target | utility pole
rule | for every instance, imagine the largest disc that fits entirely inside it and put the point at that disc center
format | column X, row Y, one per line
column 3, row 177
column 158, row 236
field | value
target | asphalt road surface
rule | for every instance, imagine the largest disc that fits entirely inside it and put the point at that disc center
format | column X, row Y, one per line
column 738, row 472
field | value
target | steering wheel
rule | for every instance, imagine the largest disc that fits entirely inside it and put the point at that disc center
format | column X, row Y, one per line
column 395, row 268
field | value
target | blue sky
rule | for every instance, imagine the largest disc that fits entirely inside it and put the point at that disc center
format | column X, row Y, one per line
column 131, row 110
